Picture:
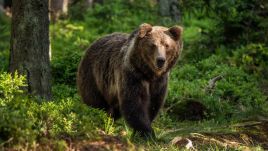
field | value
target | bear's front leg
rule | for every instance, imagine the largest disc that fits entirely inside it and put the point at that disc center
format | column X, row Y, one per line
column 158, row 90
column 134, row 104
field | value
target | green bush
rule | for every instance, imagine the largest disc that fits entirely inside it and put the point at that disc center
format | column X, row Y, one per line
column 64, row 68
column 24, row 120
column 236, row 94
column 240, row 22
column 10, row 86
column 68, row 43
column 252, row 58
column 68, row 118
column 15, row 124
column 61, row 91
column 202, row 37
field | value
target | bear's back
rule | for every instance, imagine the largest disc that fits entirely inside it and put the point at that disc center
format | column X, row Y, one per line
column 101, row 62
column 106, row 44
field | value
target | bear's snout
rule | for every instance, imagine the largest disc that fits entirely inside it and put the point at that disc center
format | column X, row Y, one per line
column 160, row 62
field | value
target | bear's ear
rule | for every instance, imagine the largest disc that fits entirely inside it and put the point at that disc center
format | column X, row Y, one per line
column 144, row 29
column 176, row 32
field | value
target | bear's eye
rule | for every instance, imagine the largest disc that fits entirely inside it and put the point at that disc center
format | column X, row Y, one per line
column 153, row 46
column 166, row 45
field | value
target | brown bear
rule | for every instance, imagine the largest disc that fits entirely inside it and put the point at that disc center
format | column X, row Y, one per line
column 128, row 74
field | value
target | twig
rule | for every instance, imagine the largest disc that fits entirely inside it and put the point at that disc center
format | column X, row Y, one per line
column 9, row 140
column 212, row 83
column 178, row 102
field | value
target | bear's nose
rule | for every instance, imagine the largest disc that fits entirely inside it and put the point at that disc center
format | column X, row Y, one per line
column 160, row 61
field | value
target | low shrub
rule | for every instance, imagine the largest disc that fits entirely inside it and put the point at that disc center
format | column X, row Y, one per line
column 252, row 58
column 25, row 120
column 235, row 94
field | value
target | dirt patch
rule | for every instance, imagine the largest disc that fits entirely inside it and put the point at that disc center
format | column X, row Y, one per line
column 100, row 143
column 105, row 143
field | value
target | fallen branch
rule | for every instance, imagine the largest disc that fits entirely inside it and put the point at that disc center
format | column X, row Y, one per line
column 212, row 83
column 221, row 142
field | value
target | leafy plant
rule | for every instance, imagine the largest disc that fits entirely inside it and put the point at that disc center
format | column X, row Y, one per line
column 235, row 94
column 252, row 58
column 23, row 119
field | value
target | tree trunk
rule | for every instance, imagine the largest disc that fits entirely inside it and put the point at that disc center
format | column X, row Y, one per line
column 170, row 8
column 90, row 3
column 58, row 8
column 29, row 53
column 7, row 3
column 85, row 4
column 1, row 8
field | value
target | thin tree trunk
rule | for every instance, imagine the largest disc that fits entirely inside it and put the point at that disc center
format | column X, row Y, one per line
column 170, row 8
column 29, row 53
column 58, row 8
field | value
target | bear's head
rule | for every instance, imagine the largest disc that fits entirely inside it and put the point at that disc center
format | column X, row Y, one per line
column 159, row 47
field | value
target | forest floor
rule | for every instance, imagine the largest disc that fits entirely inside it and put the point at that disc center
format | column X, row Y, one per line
column 246, row 136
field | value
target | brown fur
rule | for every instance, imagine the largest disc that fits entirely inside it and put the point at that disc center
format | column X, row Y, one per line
column 120, row 73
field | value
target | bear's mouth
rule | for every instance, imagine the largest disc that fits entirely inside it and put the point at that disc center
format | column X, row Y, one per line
column 159, row 71
column 160, row 63
column 156, row 69
column 153, row 65
column 160, row 68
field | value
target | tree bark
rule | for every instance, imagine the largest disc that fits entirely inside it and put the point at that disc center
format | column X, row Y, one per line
column 170, row 8
column 58, row 8
column 7, row 3
column 29, row 53
column 1, row 8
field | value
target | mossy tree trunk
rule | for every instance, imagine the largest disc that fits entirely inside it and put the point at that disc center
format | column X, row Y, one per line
column 29, row 53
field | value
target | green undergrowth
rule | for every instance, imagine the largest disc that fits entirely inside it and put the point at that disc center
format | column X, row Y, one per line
column 25, row 120
column 236, row 94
